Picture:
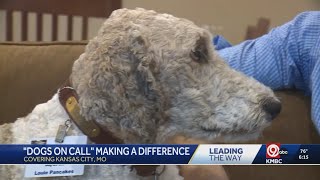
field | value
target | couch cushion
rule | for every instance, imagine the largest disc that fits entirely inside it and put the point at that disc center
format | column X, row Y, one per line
column 30, row 73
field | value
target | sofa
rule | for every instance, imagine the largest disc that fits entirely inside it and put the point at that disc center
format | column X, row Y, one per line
column 30, row 73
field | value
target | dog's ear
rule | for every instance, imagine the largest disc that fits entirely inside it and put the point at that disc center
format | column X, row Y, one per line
column 201, row 52
column 144, row 66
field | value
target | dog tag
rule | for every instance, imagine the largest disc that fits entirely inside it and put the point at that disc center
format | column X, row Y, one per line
column 62, row 131
column 54, row 170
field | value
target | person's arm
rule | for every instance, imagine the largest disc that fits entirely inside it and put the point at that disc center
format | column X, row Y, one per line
column 280, row 59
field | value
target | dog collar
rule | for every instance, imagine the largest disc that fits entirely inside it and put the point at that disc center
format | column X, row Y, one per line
column 69, row 101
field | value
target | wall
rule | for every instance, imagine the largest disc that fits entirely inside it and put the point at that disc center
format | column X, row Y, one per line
column 230, row 17
column 227, row 17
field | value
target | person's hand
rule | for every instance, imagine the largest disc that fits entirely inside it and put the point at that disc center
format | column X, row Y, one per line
column 198, row 172
column 203, row 172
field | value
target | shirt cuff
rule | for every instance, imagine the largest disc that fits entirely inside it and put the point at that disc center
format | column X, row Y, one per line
column 220, row 42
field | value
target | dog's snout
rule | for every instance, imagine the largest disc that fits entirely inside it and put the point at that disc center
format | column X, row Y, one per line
column 272, row 107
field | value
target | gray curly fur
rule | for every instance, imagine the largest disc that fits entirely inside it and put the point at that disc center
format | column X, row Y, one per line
column 148, row 76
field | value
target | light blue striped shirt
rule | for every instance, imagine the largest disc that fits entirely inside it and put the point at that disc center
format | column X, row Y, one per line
column 287, row 57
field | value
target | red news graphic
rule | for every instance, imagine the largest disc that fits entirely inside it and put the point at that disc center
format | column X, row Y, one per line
column 273, row 151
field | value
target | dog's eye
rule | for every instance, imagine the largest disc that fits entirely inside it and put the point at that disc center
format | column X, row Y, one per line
column 197, row 56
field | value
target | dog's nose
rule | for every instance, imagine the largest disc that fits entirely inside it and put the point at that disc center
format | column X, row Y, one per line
column 272, row 107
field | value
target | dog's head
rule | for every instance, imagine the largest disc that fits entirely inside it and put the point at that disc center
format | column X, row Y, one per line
column 147, row 76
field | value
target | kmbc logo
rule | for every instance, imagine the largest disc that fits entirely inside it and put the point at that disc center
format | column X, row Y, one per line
column 273, row 151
